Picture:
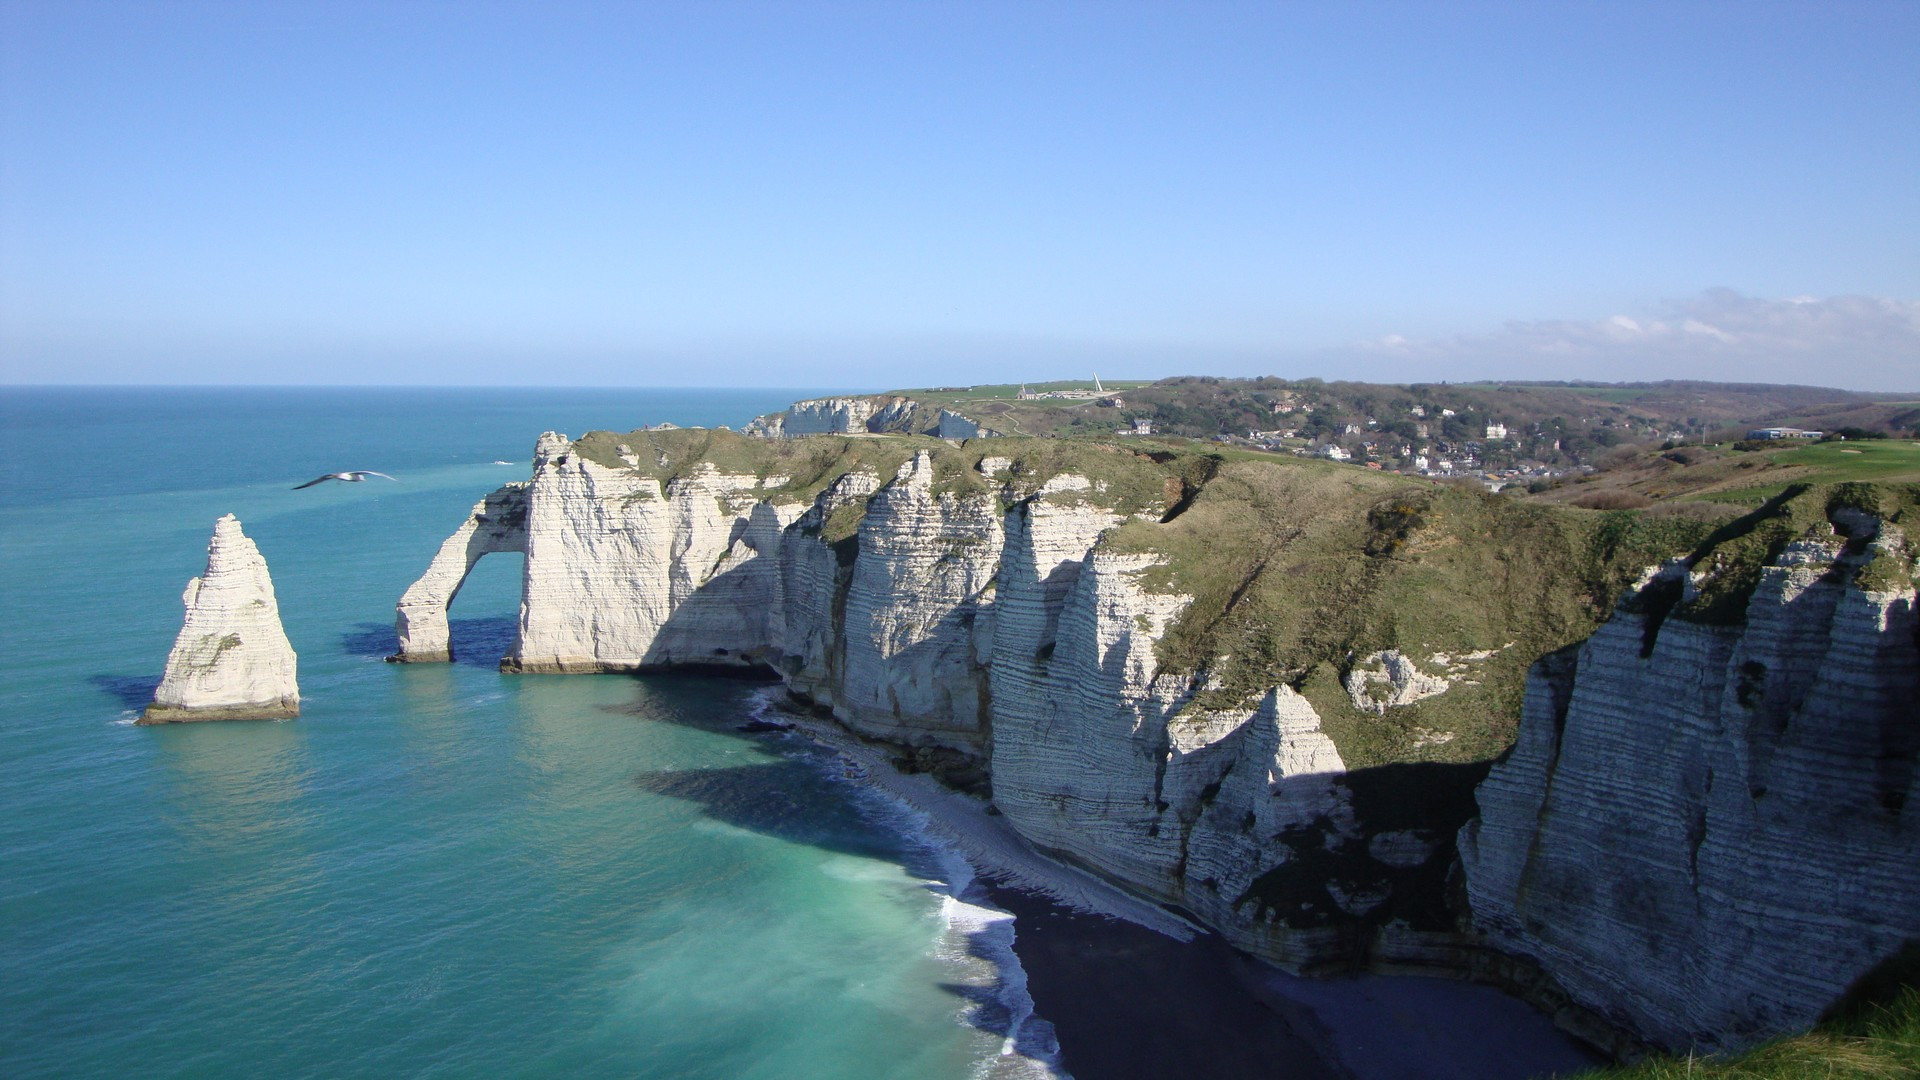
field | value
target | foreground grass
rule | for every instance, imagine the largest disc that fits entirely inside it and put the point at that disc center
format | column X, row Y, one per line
column 1751, row 478
column 1883, row 1043
column 1872, row 1033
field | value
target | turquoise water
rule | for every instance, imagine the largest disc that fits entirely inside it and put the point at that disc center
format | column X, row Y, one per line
column 437, row 870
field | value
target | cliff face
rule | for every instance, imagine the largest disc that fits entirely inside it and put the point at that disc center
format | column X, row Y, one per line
column 624, row 573
column 1005, row 606
column 873, row 415
column 231, row 660
column 1707, row 827
column 1265, row 691
column 840, row 416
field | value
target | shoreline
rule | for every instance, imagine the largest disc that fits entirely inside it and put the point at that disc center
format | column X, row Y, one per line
column 1130, row 990
column 988, row 843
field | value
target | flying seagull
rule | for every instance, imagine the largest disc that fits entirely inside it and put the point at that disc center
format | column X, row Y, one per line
column 353, row 477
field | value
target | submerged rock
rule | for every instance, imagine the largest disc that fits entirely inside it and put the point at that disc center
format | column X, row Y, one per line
column 232, row 660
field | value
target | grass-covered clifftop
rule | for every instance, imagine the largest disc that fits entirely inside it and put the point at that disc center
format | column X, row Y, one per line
column 1302, row 570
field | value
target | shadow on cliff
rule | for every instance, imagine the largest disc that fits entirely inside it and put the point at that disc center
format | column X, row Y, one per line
column 1425, row 802
column 479, row 642
column 132, row 691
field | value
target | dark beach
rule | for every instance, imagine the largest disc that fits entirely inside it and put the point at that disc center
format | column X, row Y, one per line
column 1128, row 1003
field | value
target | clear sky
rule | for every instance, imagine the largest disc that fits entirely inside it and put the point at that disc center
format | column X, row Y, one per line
column 906, row 193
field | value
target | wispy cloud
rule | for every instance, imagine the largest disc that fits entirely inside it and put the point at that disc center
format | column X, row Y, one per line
column 1858, row 342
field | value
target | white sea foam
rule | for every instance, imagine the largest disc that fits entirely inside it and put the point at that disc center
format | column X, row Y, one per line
column 975, row 938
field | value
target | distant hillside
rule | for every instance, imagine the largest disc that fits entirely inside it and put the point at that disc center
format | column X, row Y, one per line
column 1483, row 425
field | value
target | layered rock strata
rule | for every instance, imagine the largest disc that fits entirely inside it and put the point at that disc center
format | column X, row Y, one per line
column 1706, row 831
column 1689, row 801
column 497, row 523
column 839, row 416
column 976, row 615
column 231, row 660
column 882, row 414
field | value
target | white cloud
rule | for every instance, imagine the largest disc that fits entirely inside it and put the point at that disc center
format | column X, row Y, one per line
column 1856, row 342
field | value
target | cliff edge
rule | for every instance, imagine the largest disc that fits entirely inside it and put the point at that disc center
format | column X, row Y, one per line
column 1263, row 691
column 1706, row 829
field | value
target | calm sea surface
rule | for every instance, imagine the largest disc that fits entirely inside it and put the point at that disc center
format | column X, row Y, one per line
column 437, row 870
column 441, row 871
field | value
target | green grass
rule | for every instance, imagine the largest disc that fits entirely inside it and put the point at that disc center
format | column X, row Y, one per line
column 1737, row 553
column 1873, row 1033
column 1299, row 568
column 1774, row 471
column 1867, row 459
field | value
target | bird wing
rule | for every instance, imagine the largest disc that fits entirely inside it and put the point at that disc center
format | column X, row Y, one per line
column 315, row 480
column 370, row 472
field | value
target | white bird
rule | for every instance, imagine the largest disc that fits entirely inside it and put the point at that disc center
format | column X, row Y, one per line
column 352, row 477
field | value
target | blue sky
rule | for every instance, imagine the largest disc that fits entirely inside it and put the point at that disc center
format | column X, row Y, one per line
column 906, row 193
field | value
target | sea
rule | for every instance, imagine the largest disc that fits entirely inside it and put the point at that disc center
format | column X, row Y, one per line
column 439, row 870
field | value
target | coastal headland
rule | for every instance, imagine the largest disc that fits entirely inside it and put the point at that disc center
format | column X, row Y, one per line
column 1649, row 770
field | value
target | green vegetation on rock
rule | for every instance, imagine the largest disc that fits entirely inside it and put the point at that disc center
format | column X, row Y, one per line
column 1300, row 570
column 1873, row 1033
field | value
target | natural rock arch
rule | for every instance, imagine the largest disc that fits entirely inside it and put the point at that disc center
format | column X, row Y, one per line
column 498, row 523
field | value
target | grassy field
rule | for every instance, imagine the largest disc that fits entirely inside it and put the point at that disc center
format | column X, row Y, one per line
column 1744, row 479
column 1890, row 460
column 1869, row 459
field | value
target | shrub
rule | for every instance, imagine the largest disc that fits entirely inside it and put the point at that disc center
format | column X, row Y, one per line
column 1613, row 500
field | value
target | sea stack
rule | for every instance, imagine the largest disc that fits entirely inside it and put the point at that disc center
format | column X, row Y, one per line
column 232, row 660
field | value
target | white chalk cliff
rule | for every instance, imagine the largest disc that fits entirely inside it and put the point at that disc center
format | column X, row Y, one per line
column 984, row 621
column 497, row 523
column 879, row 414
column 231, row 660
column 1706, row 832
column 837, row 416
column 1708, row 806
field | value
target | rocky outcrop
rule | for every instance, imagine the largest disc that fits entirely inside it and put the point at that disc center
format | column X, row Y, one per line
column 231, row 660
column 890, row 414
column 1708, row 829
column 840, row 416
column 953, row 425
column 497, row 523
column 921, row 584
column 625, row 574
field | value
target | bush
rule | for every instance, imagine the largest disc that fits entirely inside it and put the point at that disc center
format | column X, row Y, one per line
column 1613, row 500
column 1851, row 434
